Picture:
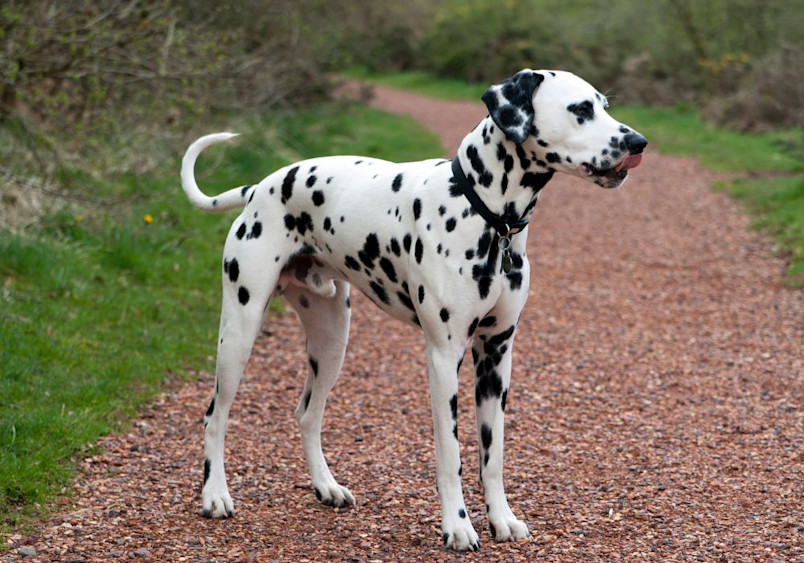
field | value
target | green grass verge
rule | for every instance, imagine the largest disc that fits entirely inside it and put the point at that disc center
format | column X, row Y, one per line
column 423, row 83
column 775, row 161
column 98, row 310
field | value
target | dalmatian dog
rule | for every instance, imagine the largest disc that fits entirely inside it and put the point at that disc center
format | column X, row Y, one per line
column 438, row 244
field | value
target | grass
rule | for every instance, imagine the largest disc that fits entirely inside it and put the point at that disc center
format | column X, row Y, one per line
column 98, row 309
column 424, row 84
column 774, row 162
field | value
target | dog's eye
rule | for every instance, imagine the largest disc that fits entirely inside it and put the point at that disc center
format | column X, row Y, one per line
column 583, row 110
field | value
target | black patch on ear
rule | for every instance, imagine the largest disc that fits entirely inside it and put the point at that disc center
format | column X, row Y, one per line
column 514, row 115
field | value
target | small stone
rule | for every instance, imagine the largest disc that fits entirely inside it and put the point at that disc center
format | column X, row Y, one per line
column 27, row 551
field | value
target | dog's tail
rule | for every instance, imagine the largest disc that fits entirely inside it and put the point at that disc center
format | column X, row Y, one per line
column 232, row 199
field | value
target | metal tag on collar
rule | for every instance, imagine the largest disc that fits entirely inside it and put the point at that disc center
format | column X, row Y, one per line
column 504, row 244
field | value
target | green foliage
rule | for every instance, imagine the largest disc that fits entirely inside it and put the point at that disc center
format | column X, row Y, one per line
column 97, row 311
column 741, row 60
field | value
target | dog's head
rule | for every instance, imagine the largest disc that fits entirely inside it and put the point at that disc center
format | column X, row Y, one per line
column 562, row 120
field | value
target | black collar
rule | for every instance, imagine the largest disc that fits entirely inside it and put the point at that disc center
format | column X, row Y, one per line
column 502, row 227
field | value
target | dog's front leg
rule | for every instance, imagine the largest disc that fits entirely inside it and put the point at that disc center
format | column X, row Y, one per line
column 456, row 526
column 491, row 352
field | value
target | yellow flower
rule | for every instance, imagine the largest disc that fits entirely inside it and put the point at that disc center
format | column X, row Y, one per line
column 148, row 219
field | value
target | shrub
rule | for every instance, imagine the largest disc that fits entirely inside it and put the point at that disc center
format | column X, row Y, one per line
column 770, row 95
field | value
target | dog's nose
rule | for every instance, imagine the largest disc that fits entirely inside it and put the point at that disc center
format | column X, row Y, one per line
column 635, row 142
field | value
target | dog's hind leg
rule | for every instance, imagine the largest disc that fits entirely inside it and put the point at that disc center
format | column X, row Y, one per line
column 245, row 295
column 326, row 326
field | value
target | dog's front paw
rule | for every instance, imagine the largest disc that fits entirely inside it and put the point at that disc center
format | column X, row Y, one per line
column 460, row 536
column 216, row 503
column 508, row 528
column 334, row 495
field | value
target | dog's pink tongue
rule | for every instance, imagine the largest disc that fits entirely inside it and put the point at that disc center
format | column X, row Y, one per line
column 630, row 161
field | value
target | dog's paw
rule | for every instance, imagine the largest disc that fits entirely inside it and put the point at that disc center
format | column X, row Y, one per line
column 508, row 528
column 216, row 504
column 461, row 536
column 334, row 495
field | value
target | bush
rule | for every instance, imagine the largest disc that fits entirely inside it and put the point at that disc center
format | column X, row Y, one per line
column 770, row 96
column 93, row 88
column 723, row 54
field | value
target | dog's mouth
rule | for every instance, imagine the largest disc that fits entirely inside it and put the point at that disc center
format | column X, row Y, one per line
column 614, row 176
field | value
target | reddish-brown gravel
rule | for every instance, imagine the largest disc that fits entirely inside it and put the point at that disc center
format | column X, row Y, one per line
column 655, row 414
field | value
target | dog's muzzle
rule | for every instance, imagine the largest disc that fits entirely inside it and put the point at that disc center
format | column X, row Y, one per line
column 613, row 177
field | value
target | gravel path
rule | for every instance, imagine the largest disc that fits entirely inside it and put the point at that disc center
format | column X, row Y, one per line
column 655, row 413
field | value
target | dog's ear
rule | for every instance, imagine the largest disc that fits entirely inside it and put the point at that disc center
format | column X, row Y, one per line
column 510, row 104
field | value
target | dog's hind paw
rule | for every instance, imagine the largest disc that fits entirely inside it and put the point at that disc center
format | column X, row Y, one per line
column 334, row 495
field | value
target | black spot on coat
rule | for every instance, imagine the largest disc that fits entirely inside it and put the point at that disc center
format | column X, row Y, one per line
column 388, row 268
column 380, row 292
column 370, row 252
column 287, row 184
column 234, row 270
column 485, row 435
column 351, row 263
column 243, row 295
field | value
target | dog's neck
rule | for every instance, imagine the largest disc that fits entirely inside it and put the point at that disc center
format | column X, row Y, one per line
column 511, row 188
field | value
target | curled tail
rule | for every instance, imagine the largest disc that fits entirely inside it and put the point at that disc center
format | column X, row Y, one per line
column 232, row 199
